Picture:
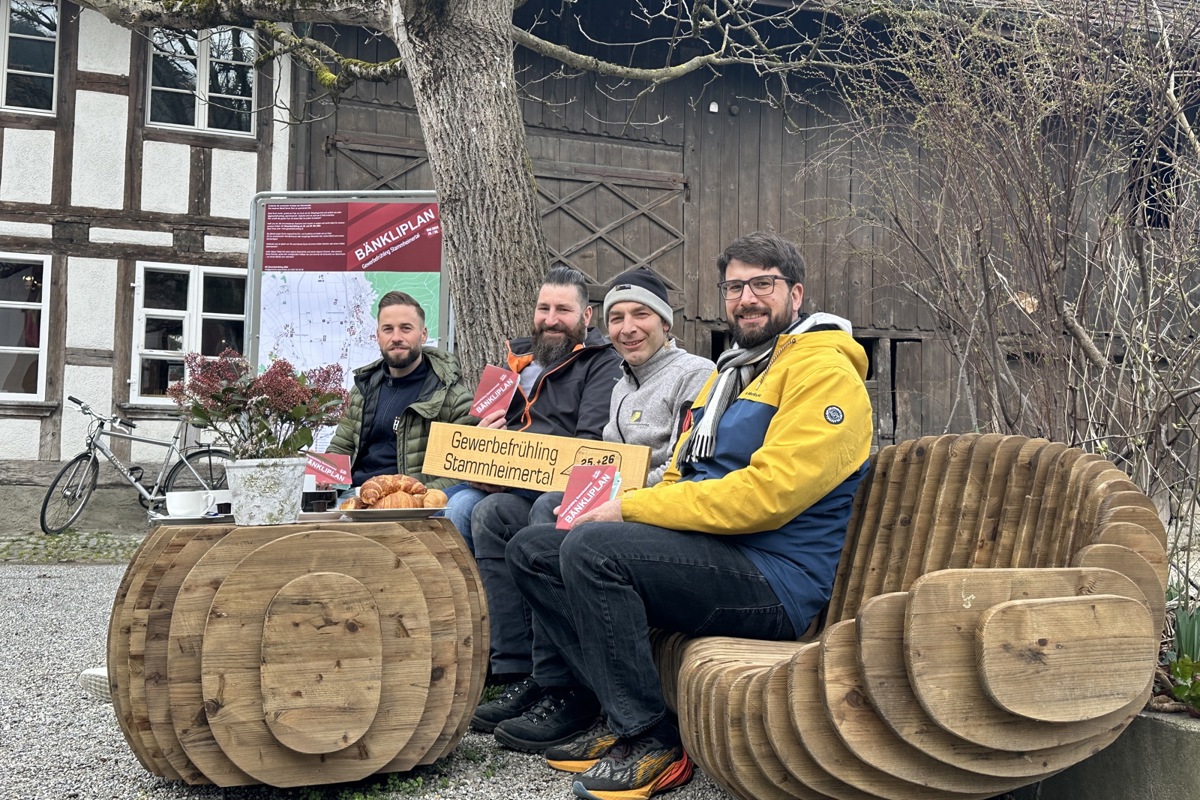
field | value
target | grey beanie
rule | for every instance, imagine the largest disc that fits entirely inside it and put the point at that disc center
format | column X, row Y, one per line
column 640, row 285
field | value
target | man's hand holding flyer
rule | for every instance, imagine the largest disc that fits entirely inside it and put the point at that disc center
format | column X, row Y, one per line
column 495, row 391
column 587, row 487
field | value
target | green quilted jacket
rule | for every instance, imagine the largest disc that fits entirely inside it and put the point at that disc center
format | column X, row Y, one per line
column 443, row 398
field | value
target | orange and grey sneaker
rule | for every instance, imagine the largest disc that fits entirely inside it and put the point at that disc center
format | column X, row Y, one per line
column 636, row 768
column 583, row 751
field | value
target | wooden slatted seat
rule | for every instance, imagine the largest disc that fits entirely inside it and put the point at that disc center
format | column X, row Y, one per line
column 994, row 619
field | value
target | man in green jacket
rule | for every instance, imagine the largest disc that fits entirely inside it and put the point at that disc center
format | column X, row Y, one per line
column 394, row 400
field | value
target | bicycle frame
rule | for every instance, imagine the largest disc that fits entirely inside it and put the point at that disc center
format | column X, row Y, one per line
column 96, row 443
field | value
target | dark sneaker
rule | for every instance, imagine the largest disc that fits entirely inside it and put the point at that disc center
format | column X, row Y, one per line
column 560, row 716
column 634, row 769
column 583, row 751
column 515, row 700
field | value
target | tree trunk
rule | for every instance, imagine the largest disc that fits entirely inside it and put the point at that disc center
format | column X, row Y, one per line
column 459, row 58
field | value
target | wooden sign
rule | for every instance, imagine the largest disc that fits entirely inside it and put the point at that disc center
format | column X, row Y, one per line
column 525, row 460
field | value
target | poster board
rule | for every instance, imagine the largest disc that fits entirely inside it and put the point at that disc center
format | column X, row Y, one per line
column 526, row 460
column 320, row 261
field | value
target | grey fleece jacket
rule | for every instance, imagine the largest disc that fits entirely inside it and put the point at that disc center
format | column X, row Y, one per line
column 649, row 402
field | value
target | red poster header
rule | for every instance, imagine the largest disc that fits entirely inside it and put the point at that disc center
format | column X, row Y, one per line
column 346, row 237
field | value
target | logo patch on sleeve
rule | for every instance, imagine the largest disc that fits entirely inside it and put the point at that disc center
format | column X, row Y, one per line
column 834, row 415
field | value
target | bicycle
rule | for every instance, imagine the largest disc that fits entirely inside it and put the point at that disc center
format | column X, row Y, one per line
column 201, row 468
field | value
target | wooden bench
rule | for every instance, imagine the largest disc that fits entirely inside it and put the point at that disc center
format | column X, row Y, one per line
column 995, row 618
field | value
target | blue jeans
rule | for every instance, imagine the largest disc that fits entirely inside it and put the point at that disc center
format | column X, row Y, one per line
column 496, row 518
column 597, row 590
column 461, row 501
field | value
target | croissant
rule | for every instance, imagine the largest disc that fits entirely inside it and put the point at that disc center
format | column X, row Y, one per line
column 397, row 500
column 377, row 487
column 351, row 504
column 435, row 498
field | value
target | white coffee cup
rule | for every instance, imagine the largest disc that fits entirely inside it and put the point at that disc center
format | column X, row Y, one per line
column 190, row 504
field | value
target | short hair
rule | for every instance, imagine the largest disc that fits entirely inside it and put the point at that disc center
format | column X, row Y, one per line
column 400, row 299
column 766, row 250
column 569, row 276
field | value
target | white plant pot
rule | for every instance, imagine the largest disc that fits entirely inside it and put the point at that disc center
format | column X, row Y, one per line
column 266, row 491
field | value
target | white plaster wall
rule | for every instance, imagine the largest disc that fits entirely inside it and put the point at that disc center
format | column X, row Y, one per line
column 27, row 171
column 165, row 170
column 98, row 168
column 282, row 140
column 103, row 46
column 233, row 183
column 19, row 438
column 26, row 229
column 91, row 303
column 150, row 457
column 92, row 385
column 226, row 244
column 130, row 236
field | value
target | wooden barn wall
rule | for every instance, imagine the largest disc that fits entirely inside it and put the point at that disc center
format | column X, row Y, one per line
column 663, row 181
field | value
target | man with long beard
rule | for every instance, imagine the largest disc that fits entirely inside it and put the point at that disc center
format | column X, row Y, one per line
column 567, row 372
column 740, row 538
column 394, row 400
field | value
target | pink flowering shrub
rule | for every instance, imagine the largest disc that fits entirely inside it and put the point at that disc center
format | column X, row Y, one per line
column 268, row 415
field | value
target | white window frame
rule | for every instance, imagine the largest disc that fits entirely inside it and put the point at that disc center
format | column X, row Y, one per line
column 43, row 348
column 6, row 10
column 201, row 95
column 193, row 320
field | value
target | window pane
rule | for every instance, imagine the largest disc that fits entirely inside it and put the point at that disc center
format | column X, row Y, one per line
column 172, row 108
column 19, row 373
column 174, row 43
column 157, row 375
column 32, row 55
column 29, row 91
column 224, row 294
column 234, row 79
column 218, row 334
column 231, row 44
column 30, row 18
column 164, row 334
column 229, row 115
column 20, row 327
column 174, row 73
column 20, row 283
column 166, row 290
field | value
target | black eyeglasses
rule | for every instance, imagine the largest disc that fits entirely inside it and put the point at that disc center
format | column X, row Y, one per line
column 760, row 285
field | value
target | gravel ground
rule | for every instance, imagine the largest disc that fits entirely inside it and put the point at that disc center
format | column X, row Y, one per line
column 57, row 743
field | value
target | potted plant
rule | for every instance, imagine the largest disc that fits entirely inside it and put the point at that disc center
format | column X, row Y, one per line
column 266, row 420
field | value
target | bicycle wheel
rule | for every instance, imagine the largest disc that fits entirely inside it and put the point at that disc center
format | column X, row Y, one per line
column 208, row 462
column 69, row 492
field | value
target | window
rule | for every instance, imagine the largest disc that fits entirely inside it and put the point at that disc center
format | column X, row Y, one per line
column 30, row 53
column 24, row 298
column 182, row 310
column 202, row 79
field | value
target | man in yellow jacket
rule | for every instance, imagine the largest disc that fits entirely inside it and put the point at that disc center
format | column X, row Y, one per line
column 741, row 538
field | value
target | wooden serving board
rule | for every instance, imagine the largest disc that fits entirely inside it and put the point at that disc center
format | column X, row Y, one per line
column 939, row 648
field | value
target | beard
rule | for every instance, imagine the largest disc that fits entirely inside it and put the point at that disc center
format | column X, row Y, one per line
column 405, row 359
column 547, row 350
column 777, row 323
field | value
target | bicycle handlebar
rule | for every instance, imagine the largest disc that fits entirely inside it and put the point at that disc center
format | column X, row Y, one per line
column 114, row 419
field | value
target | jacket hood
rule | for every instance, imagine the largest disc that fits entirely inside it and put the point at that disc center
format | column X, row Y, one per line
column 831, row 331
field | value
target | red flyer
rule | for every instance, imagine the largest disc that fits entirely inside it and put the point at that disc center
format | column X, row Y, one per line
column 587, row 487
column 328, row 467
column 496, row 389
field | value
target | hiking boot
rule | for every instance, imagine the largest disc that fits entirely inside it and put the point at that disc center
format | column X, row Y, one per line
column 560, row 716
column 583, row 751
column 515, row 700
column 635, row 768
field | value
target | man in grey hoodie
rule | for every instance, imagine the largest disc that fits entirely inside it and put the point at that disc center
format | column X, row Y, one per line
column 659, row 381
